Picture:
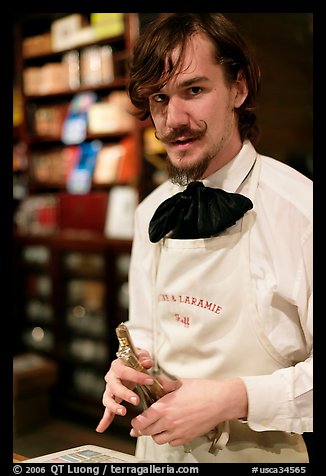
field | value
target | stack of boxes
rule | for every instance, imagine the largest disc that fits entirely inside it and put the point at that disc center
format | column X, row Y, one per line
column 93, row 66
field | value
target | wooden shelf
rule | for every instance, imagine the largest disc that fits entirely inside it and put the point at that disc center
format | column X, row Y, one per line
column 74, row 239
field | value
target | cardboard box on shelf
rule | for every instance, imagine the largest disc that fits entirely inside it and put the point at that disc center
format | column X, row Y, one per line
column 64, row 28
column 37, row 45
column 82, row 212
column 32, row 80
column 111, row 115
column 49, row 120
column 55, row 78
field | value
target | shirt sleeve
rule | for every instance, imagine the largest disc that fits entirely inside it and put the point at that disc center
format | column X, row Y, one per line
column 284, row 400
column 281, row 401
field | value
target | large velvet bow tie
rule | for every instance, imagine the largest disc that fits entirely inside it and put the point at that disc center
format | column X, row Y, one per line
column 197, row 212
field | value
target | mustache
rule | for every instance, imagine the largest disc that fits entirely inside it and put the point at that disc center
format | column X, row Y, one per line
column 185, row 132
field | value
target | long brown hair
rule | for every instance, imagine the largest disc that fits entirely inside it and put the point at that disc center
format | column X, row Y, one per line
column 147, row 67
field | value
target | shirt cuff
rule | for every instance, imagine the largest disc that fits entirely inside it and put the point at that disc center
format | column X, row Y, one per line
column 269, row 405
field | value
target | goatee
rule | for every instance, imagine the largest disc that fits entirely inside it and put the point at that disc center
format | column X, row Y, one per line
column 184, row 175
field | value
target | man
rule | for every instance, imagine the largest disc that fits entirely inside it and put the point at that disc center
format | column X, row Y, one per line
column 220, row 311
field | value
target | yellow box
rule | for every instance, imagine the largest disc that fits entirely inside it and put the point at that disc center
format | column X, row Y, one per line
column 105, row 17
column 108, row 25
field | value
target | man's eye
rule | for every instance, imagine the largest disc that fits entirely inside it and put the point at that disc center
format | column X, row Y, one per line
column 159, row 97
column 194, row 90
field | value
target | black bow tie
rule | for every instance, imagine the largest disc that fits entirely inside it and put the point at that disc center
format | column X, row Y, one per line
column 197, row 212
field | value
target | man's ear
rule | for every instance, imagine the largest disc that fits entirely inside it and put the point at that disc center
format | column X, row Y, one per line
column 241, row 90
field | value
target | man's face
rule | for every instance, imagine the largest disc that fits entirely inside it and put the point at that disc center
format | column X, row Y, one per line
column 194, row 114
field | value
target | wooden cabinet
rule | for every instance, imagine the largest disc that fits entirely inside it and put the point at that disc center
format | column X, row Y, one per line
column 71, row 279
column 71, row 292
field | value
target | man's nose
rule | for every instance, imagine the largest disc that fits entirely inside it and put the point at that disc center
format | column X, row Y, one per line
column 176, row 114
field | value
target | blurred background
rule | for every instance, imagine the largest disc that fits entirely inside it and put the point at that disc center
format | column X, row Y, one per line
column 81, row 164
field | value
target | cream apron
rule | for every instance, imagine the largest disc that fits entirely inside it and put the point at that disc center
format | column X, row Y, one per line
column 206, row 326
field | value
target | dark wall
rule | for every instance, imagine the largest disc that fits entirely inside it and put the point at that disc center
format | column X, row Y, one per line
column 283, row 43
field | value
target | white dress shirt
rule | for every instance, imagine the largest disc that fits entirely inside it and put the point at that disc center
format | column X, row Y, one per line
column 281, row 269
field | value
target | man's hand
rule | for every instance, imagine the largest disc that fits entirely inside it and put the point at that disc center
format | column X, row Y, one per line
column 120, row 380
column 192, row 408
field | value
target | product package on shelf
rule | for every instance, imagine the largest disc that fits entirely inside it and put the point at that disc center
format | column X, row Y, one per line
column 111, row 115
column 54, row 166
column 107, row 25
column 47, row 121
column 81, row 177
column 74, row 128
column 96, row 65
column 37, row 214
column 117, row 163
column 120, row 212
column 64, row 29
column 82, row 212
column 107, row 163
column 37, row 45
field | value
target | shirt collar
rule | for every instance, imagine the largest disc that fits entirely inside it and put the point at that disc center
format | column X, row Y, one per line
column 230, row 177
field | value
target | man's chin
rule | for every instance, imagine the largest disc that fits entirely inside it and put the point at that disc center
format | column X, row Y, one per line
column 182, row 172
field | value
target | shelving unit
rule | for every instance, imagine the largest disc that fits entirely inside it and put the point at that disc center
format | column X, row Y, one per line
column 49, row 82
column 71, row 286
